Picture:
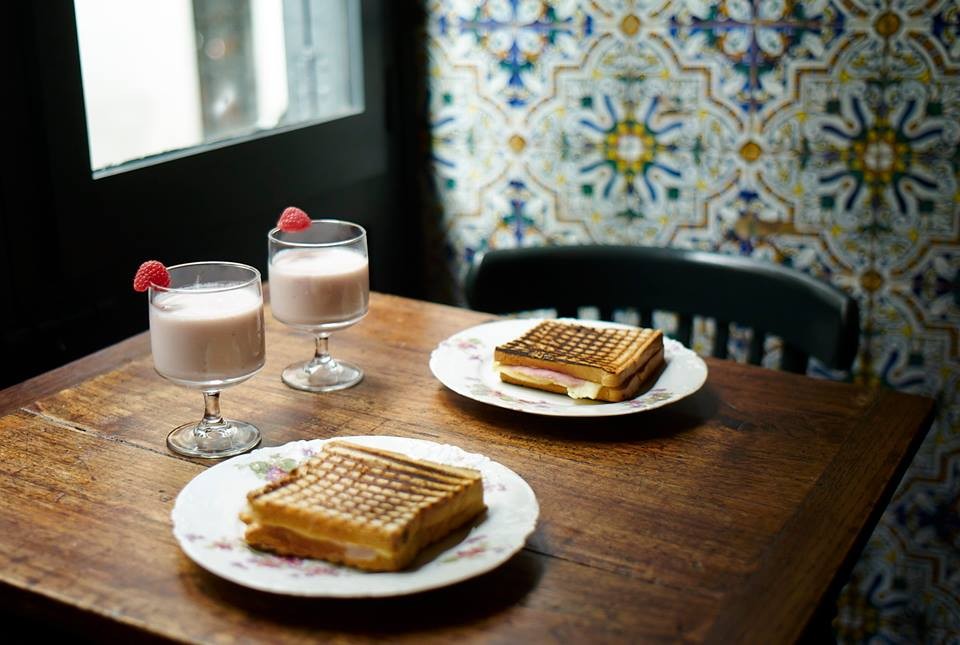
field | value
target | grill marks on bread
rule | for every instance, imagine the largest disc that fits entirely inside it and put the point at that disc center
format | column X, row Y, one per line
column 370, row 508
column 362, row 487
column 609, row 356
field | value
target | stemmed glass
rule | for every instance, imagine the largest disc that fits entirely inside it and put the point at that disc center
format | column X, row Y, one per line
column 319, row 283
column 207, row 333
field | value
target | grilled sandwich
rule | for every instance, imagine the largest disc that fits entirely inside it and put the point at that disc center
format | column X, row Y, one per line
column 605, row 364
column 360, row 506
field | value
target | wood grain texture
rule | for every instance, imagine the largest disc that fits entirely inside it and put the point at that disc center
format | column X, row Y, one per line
column 73, row 372
column 723, row 517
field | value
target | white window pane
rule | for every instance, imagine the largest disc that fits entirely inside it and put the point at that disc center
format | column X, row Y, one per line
column 163, row 78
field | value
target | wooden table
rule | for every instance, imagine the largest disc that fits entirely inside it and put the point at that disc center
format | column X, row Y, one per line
column 726, row 516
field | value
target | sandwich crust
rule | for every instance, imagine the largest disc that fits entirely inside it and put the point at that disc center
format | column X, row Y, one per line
column 629, row 389
column 608, row 356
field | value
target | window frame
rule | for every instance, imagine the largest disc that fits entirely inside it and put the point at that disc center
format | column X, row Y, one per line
column 69, row 243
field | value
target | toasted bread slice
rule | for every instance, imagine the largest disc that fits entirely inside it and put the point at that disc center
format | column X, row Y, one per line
column 608, row 356
column 361, row 506
column 630, row 388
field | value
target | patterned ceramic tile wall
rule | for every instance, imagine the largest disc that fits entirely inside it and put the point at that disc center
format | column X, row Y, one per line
column 820, row 134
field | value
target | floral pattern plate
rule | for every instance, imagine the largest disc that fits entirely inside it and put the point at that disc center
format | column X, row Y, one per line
column 464, row 363
column 207, row 525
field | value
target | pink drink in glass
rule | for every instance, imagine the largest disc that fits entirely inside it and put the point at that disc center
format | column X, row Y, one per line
column 319, row 283
column 314, row 287
column 217, row 337
column 207, row 333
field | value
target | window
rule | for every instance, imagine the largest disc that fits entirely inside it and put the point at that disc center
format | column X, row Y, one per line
column 168, row 78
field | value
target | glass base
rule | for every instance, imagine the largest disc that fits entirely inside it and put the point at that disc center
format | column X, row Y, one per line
column 232, row 438
column 336, row 375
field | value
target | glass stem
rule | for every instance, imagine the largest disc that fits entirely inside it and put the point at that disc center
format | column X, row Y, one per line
column 321, row 357
column 211, row 410
column 322, row 354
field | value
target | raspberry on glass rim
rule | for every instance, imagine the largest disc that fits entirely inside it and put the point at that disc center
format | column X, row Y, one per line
column 151, row 272
column 293, row 220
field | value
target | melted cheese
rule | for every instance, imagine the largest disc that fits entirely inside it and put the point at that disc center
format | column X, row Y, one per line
column 577, row 388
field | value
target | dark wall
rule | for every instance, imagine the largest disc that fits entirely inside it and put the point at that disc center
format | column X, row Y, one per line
column 69, row 244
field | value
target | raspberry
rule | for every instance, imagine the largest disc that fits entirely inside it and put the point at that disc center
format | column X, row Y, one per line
column 151, row 272
column 292, row 220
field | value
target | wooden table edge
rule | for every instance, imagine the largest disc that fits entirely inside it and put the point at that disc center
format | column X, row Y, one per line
column 815, row 621
column 824, row 614
column 73, row 373
column 27, row 610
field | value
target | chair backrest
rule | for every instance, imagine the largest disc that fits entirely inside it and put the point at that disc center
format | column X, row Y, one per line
column 812, row 317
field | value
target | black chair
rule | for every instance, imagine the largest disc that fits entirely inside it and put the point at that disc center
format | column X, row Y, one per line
column 812, row 317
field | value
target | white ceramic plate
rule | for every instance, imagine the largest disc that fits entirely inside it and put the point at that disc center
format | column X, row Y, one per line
column 464, row 363
column 206, row 523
